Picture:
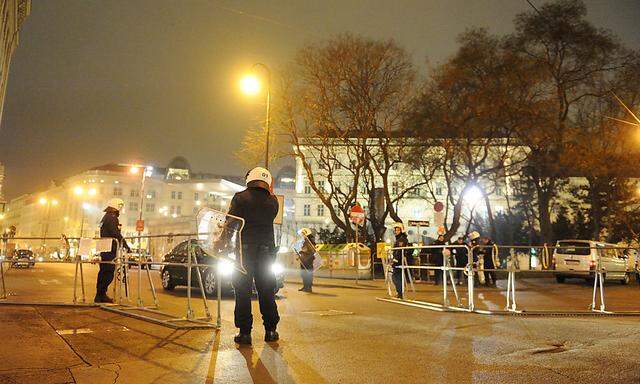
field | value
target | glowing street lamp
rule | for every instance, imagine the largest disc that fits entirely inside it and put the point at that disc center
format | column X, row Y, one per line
column 251, row 85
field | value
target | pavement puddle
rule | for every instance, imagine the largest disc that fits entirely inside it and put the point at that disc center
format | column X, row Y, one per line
column 329, row 312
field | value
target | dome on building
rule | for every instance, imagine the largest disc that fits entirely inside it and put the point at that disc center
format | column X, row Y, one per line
column 179, row 162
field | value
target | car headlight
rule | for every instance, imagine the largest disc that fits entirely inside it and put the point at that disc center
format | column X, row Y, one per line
column 40, row 259
column 225, row 267
column 277, row 268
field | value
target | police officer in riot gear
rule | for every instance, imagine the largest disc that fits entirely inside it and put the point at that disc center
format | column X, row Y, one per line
column 258, row 207
column 109, row 228
column 401, row 241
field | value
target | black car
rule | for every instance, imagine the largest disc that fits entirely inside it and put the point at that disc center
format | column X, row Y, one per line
column 23, row 258
column 175, row 275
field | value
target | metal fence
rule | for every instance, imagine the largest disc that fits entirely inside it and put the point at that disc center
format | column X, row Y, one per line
column 44, row 253
column 593, row 262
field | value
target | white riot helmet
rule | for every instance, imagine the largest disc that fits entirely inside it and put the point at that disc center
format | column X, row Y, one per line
column 259, row 174
column 305, row 232
column 398, row 225
column 116, row 204
column 474, row 235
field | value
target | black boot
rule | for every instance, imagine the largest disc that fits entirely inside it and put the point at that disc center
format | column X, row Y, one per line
column 103, row 299
column 271, row 336
column 242, row 338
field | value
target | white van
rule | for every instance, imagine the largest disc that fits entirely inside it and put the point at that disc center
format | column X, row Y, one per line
column 579, row 258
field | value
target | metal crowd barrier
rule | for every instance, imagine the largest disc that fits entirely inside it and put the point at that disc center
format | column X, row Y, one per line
column 62, row 254
column 507, row 260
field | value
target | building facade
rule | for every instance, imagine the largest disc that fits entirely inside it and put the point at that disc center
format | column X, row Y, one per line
column 14, row 13
column 416, row 204
column 74, row 207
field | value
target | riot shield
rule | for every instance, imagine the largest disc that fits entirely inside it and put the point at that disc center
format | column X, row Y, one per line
column 220, row 236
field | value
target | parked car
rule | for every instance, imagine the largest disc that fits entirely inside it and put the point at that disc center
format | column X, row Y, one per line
column 135, row 256
column 579, row 258
column 175, row 275
column 23, row 258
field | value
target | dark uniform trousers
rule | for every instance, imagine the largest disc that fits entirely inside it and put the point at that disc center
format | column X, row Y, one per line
column 257, row 260
column 105, row 275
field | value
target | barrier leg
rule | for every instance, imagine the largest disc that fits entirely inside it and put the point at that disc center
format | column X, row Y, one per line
column 511, row 291
column 75, row 283
column 139, row 301
column 4, row 289
column 601, row 293
column 219, row 289
column 204, row 295
column 189, row 309
column 445, row 299
column 153, row 288
column 455, row 290
column 84, row 298
column 470, row 286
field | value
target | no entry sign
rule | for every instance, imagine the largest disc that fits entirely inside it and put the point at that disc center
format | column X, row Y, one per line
column 356, row 214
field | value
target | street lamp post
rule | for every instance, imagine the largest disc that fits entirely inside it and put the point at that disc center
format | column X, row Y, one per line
column 45, row 228
column 80, row 192
column 146, row 171
column 250, row 85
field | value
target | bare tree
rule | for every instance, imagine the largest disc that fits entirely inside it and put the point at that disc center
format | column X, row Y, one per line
column 468, row 113
column 342, row 105
column 573, row 54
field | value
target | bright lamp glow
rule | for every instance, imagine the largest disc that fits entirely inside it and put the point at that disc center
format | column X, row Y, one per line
column 92, row 192
column 42, row 201
column 134, row 170
column 78, row 191
column 225, row 267
column 473, row 196
column 277, row 268
column 54, row 202
column 86, row 206
column 250, row 85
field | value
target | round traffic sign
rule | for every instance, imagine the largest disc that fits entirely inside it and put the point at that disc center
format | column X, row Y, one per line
column 438, row 206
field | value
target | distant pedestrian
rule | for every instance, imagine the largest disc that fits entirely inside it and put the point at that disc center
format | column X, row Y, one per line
column 398, row 255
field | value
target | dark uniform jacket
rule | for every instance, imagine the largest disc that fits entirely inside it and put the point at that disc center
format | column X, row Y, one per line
column 258, row 207
column 401, row 241
column 110, row 227
column 460, row 254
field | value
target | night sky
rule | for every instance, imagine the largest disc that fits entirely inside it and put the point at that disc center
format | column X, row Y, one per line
column 95, row 82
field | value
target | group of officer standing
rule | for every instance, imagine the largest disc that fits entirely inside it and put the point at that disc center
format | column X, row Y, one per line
column 456, row 255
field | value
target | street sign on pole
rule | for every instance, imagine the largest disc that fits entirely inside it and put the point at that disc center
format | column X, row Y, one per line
column 419, row 223
column 356, row 214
